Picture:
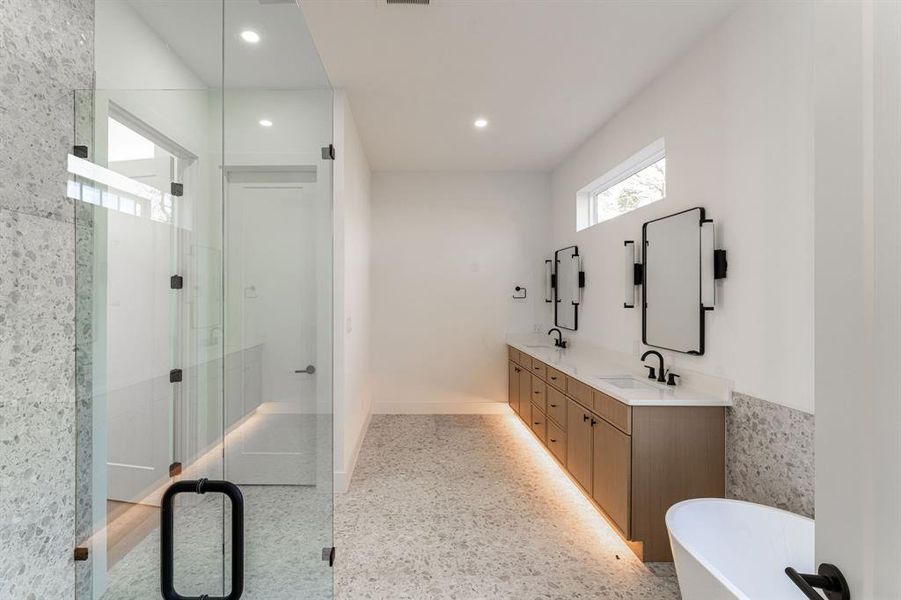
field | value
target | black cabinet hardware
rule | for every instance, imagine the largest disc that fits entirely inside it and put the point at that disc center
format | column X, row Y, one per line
column 828, row 578
column 593, row 422
column 167, row 537
column 585, row 418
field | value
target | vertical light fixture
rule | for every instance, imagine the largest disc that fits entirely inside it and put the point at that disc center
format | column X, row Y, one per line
column 548, row 281
column 578, row 279
column 629, row 272
column 708, row 246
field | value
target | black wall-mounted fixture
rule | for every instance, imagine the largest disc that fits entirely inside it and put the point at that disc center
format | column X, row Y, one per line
column 633, row 274
column 550, row 280
column 720, row 264
column 829, row 578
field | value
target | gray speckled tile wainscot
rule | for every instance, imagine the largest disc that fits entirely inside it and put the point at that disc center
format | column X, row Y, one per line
column 770, row 454
column 469, row 506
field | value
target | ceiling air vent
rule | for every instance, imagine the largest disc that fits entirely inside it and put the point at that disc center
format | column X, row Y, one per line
column 407, row 1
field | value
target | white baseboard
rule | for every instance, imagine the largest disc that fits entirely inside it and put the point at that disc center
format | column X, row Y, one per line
column 343, row 477
column 441, row 408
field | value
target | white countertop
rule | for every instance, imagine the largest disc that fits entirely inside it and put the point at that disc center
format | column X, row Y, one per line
column 596, row 368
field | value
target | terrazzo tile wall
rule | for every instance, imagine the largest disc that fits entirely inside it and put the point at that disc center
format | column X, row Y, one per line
column 770, row 454
column 46, row 52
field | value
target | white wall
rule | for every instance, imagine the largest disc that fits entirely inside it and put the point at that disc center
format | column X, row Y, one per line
column 447, row 251
column 735, row 112
column 353, row 397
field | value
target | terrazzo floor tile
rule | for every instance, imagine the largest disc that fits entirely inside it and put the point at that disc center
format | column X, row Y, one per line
column 467, row 507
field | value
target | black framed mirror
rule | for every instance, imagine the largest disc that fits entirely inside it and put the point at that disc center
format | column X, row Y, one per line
column 672, row 312
column 568, row 283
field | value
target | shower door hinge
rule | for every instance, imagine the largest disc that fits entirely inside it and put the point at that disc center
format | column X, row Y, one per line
column 80, row 151
column 81, row 553
column 175, row 376
column 328, row 152
column 329, row 555
column 176, row 282
column 177, row 189
column 175, row 469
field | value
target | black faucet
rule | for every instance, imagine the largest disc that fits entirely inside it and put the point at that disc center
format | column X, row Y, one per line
column 558, row 341
column 651, row 375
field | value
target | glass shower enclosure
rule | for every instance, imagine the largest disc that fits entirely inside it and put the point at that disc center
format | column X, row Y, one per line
column 202, row 176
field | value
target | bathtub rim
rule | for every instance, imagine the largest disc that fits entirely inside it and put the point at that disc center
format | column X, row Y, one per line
column 703, row 561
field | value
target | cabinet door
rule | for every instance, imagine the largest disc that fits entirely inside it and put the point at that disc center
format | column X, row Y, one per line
column 513, row 386
column 612, row 472
column 525, row 393
column 578, row 443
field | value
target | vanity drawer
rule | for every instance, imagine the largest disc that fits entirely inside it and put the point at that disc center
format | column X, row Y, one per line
column 556, row 406
column 539, row 368
column 556, row 441
column 556, row 379
column 539, row 424
column 613, row 411
column 579, row 391
column 539, row 393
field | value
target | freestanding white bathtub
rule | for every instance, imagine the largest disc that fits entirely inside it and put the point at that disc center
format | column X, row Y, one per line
column 726, row 549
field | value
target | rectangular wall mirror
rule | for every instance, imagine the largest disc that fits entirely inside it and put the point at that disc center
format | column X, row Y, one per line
column 567, row 291
column 672, row 314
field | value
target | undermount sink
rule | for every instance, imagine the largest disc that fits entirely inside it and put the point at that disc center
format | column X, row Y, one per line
column 538, row 346
column 626, row 383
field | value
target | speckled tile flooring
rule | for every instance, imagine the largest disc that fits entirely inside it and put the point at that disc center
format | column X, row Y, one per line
column 468, row 507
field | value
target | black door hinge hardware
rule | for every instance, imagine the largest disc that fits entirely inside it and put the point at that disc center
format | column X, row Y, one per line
column 177, row 189
column 329, row 555
column 176, row 282
column 80, row 151
column 175, row 469
column 828, row 578
column 81, row 553
column 175, row 376
column 328, row 152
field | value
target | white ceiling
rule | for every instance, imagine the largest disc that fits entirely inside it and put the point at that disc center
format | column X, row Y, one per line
column 545, row 73
column 284, row 58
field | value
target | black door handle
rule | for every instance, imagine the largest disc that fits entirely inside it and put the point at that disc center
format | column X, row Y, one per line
column 167, row 545
column 828, row 578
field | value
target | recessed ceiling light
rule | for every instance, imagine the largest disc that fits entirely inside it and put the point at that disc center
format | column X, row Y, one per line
column 265, row 122
column 250, row 36
column 481, row 123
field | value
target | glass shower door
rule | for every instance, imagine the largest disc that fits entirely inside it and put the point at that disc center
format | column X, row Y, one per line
column 202, row 183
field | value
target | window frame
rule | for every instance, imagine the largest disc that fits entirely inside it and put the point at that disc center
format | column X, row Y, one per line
column 586, row 197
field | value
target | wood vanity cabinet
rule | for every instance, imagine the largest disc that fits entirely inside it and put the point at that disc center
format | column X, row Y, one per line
column 633, row 462
column 611, row 475
column 578, row 443
column 513, row 386
column 525, row 392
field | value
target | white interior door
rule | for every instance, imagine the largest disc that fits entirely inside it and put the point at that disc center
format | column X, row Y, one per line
column 271, row 330
column 858, row 293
